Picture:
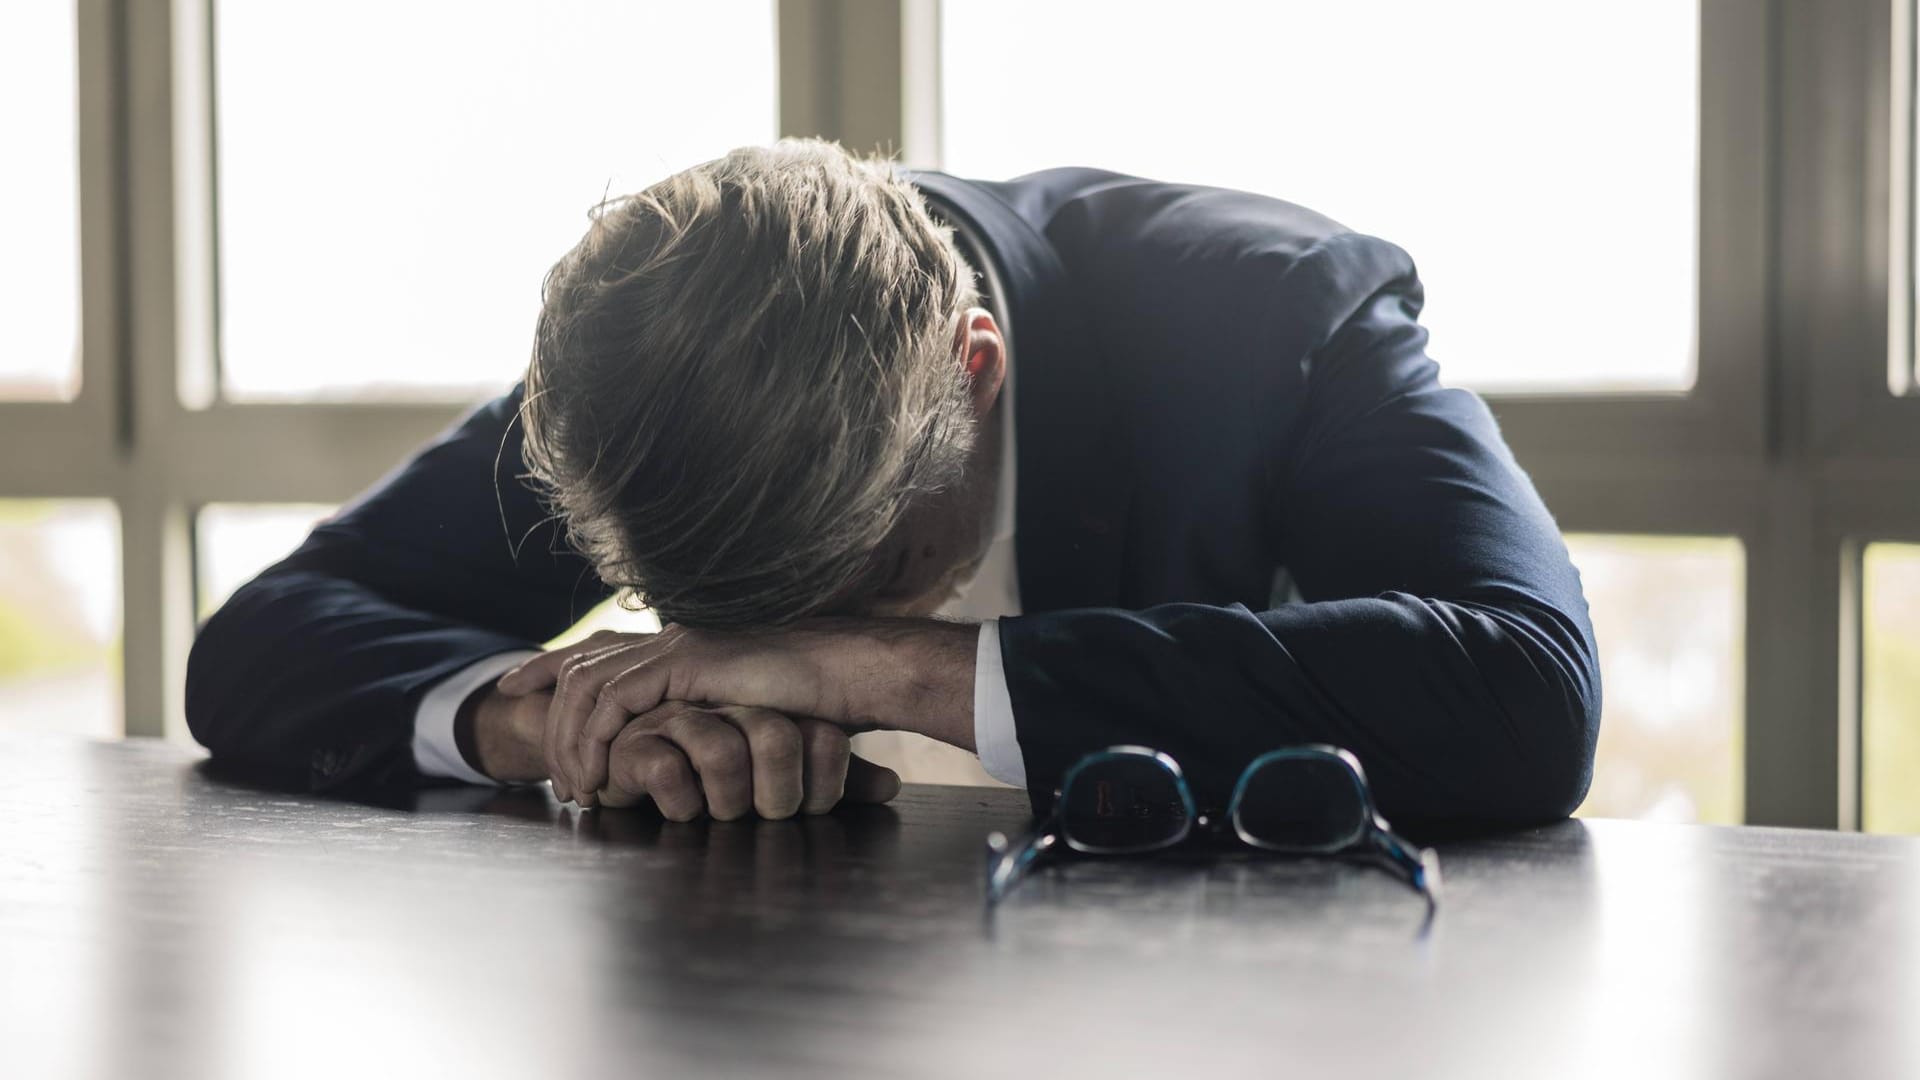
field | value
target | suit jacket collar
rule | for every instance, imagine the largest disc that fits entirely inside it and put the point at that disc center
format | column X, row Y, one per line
column 1073, row 473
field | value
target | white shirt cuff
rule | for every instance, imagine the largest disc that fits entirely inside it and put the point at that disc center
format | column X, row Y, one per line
column 435, row 752
column 994, row 738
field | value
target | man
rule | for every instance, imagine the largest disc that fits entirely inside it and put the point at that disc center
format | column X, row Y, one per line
column 769, row 398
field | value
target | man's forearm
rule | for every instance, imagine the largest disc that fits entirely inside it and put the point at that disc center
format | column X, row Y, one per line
column 896, row 674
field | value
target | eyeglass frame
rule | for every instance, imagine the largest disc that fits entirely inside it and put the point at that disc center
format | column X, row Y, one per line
column 1006, row 866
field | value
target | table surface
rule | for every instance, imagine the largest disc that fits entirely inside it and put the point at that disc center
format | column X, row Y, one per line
column 158, row 921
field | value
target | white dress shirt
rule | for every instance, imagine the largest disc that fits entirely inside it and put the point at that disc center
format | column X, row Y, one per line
column 992, row 592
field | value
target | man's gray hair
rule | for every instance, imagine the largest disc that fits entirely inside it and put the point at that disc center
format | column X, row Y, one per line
column 744, row 376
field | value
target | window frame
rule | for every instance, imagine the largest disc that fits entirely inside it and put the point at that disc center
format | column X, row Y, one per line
column 69, row 448
column 76, row 449
column 1789, row 440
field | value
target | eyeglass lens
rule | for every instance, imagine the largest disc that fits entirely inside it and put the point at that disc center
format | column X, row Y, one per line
column 1307, row 802
column 1122, row 803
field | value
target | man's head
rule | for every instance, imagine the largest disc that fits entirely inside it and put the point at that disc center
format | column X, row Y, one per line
column 755, row 390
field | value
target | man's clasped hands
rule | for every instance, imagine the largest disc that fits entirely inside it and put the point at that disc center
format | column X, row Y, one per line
column 724, row 724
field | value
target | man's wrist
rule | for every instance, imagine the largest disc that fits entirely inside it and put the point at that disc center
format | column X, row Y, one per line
column 493, row 736
column 902, row 675
column 465, row 738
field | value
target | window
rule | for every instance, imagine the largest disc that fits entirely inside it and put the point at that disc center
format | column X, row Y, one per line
column 60, row 617
column 385, row 235
column 1890, row 731
column 39, row 213
column 1547, row 196
column 235, row 541
column 1670, row 619
column 608, row 615
column 1683, row 198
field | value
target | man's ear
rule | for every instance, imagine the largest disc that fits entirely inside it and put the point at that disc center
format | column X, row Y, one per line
column 984, row 352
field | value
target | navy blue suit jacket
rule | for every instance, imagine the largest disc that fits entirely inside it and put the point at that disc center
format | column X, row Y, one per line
column 1213, row 386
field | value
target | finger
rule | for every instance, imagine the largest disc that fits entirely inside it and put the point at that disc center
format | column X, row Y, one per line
column 542, row 671
column 534, row 673
column 567, row 687
column 650, row 767
column 584, row 684
column 825, row 750
column 585, row 734
column 774, row 744
column 574, row 697
column 719, row 755
column 868, row 782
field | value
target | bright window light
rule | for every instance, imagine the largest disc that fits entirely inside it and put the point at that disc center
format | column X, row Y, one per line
column 396, row 178
column 39, row 219
column 1538, row 160
column 235, row 541
column 60, row 617
column 1890, row 736
column 1670, row 616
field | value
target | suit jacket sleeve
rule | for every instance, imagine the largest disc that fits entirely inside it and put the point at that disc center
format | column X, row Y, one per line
column 1446, row 643
column 313, row 671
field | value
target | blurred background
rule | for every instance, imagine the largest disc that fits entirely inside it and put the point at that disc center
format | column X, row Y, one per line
column 255, row 252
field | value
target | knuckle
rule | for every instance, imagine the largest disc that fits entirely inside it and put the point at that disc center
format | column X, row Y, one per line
column 627, row 773
column 616, row 689
column 570, row 687
column 663, row 773
column 727, row 756
column 782, row 762
column 609, row 705
column 780, row 748
column 825, row 742
column 670, row 714
column 703, row 734
column 609, row 687
column 829, row 750
column 605, row 697
column 627, row 764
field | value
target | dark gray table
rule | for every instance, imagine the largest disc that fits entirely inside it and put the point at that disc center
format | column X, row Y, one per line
column 156, row 921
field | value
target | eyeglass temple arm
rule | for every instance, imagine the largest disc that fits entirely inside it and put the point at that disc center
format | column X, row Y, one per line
column 1421, row 865
column 1008, row 862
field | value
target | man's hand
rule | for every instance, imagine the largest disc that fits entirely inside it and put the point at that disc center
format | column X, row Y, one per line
column 722, row 760
column 728, row 759
column 855, row 674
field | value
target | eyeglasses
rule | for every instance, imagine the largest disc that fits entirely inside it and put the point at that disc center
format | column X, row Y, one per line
column 1126, row 800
